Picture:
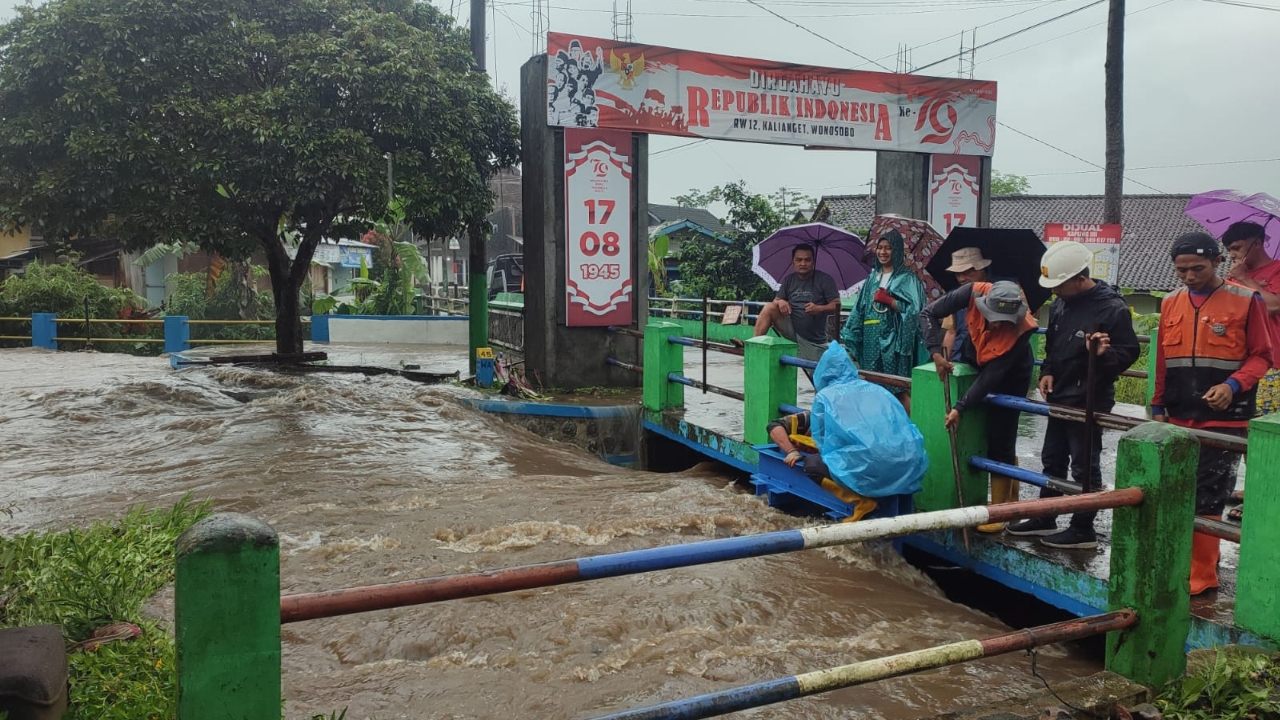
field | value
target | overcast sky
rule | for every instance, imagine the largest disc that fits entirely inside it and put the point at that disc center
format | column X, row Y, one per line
column 1200, row 83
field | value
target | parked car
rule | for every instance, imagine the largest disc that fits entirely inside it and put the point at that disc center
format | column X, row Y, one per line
column 506, row 274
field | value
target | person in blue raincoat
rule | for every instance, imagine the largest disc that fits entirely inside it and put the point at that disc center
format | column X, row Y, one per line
column 882, row 332
column 863, row 439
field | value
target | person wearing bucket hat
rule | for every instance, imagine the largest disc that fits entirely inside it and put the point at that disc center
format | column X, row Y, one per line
column 1087, row 315
column 1000, row 326
column 968, row 265
column 1214, row 346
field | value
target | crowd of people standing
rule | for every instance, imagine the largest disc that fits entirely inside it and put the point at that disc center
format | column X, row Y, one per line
column 1217, row 354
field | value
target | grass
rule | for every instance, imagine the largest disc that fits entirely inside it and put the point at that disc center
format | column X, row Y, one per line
column 1232, row 685
column 84, row 578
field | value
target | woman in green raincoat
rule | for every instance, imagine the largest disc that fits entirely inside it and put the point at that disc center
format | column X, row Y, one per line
column 882, row 333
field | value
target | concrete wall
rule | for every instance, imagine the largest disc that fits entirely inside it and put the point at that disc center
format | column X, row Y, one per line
column 569, row 357
column 398, row 329
column 611, row 432
column 902, row 184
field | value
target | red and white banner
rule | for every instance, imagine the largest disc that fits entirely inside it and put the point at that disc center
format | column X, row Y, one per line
column 597, row 222
column 592, row 82
column 1103, row 240
column 955, row 183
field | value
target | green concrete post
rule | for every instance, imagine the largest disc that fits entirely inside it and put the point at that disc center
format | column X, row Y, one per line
column 661, row 358
column 1151, row 553
column 227, row 618
column 1258, row 570
column 1151, row 366
column 767, row 383
column 928, row 412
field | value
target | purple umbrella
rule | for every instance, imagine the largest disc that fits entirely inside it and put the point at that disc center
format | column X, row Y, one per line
column 840, row 254
column 1218, row 209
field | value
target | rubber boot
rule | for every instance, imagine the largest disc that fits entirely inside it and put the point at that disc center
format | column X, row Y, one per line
column 1003, row 490
column 862, row 506
column 1205, row 550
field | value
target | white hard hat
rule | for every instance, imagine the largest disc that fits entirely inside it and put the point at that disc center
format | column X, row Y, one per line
column 1063, row 260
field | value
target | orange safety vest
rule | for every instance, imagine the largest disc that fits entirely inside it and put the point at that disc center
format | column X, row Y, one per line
column 1202, row 348
column 990, row 342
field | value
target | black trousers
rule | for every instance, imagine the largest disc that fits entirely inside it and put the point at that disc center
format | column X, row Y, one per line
column 1064, row 443
column 1216, row 475
column 1002, row 423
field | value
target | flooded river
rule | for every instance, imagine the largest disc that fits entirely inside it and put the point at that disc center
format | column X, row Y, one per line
column 371, row 480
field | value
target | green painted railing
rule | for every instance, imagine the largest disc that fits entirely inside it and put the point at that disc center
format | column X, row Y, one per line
column 769, row 384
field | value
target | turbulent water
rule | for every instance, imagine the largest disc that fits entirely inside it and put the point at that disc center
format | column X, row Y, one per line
column 372, row 480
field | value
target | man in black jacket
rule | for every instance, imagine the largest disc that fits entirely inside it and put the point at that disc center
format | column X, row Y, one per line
column 1087, row 314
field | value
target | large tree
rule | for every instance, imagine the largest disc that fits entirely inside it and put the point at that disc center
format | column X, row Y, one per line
column 241, row 124
column 723, row 271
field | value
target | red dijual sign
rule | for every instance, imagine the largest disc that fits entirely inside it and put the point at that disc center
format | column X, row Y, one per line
column 592, row 82
column 597, row 220
column 1103, row 240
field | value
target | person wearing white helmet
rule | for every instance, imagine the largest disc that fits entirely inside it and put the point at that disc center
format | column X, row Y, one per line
column 1086, row 315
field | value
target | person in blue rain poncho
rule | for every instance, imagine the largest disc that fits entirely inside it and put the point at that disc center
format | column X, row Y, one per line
column 861, row 444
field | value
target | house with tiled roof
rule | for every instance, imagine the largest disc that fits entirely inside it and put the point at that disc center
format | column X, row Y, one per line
column 1150, row 224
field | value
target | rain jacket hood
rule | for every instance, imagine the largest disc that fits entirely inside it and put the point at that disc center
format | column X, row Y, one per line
column 863, row 432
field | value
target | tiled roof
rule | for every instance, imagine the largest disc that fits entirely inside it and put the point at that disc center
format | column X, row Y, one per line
column 663, row 214
column 1151, row 222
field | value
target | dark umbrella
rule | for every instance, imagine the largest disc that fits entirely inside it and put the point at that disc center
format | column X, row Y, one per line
column 840, row 254
column 1014, row 255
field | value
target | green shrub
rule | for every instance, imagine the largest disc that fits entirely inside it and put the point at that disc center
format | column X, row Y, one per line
column 234, row 297
column 84, row 578
column 1234, row 686
column 63, row 290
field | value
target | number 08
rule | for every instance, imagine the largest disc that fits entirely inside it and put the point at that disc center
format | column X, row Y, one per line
column 590, row 243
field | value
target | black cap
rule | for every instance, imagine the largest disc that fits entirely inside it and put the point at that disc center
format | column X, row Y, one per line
column 1196, row 243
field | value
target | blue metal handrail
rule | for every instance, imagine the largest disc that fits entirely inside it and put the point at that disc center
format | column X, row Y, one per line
column 1216, row 528
column 1109, row 421
column 875, row 377
column 799, row 362
column 690, row 382
column 1024, row 475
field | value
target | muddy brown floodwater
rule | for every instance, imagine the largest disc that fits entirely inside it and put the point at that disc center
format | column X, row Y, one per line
column 370, row 480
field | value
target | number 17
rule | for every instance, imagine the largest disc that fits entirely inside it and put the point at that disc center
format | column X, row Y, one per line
column 606, row 205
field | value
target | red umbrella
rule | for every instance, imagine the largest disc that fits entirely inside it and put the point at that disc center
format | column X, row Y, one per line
column 920, row 241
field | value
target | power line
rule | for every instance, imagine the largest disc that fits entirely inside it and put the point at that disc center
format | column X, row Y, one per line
column 1071, row 154
column 1069, row 34
column 1160, row 167
column 985, row 24
column 1255, row 6
column 677, row 147
column 1042, row 23
column 820, row 37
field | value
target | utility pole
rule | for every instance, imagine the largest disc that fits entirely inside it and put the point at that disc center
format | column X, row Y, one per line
column 1113, row 188
column 477, row 285
column 391, row 184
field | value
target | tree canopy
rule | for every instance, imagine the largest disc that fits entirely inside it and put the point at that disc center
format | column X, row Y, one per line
column 239, row 124
column 720, row 271
column 1009, row 184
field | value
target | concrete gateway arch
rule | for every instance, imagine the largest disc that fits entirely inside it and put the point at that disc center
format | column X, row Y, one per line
column 586, row 109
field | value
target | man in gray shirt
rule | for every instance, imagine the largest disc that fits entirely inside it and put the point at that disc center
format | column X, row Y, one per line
column 800, row 310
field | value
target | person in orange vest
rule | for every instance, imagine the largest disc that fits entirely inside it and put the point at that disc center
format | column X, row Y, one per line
column 1214, row 346
column 1000, row 327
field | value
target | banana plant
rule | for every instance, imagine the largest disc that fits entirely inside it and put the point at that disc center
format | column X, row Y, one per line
column 658, row 248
